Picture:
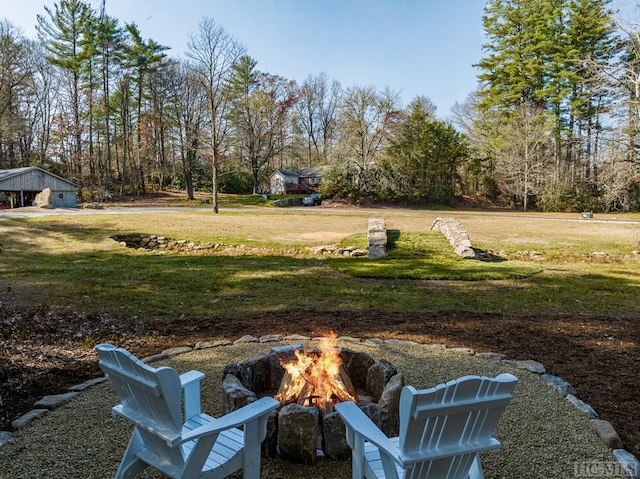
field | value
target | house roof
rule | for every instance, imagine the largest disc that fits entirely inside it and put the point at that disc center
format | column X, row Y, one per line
column 304, row 172
column 308, row 172
column 10, row 173
column 286, row 172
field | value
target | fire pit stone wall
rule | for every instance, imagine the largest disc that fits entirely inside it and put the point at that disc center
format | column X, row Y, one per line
column 299, row 433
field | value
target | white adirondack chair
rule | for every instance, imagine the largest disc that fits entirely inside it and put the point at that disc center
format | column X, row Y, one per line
column 191, row 446
column 442, row 431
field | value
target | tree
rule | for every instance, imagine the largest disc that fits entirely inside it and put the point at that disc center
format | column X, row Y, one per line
column 262, row 103
column 142, row 58
column 480, row 129
column 590, row 34
column 625, row 77
column 510, row 71
column 543, row 56
column 61, row 34
column 317, row 116
column 366, row 118
column 215, row 54
column 189, row 108
column 521, row 161
column 44, row 84
column 109, row 39
column 424, row 156
column 15, row 78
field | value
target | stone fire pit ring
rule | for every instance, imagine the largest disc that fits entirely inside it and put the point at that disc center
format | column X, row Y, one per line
column 301, row 431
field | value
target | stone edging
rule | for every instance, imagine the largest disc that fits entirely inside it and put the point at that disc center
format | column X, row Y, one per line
column 603, row 428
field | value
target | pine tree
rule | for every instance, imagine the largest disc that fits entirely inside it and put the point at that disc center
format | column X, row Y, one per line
column 62, row 34
column 544, row 55
column 423, row 157
column 141, row 58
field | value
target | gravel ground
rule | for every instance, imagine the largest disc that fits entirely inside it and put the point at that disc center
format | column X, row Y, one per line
column 543, row 435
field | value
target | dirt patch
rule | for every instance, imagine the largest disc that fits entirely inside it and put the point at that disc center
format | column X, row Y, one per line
column 45, row 352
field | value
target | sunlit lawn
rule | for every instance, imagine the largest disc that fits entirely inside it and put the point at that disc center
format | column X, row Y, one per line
column 70, row 261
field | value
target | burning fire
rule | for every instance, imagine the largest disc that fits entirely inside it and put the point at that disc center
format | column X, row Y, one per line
column 317, row 379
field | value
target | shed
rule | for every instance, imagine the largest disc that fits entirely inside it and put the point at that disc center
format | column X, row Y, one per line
column 19, row 187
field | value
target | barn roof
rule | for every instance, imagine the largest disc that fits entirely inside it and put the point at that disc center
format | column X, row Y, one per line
column 13, row 172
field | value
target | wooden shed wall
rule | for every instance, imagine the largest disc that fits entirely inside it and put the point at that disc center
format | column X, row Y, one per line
column 35, row 180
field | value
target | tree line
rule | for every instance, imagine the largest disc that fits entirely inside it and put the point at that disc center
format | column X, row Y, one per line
column 553, row 124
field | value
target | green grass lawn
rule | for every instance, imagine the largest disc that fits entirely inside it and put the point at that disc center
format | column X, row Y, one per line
column 69, row 261
column 427, row 256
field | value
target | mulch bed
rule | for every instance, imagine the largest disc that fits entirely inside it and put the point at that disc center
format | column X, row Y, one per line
column 44, row 352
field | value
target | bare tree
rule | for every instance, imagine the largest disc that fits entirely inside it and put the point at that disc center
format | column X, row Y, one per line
column 317, row 115
column 523, row 149
column 260, row 115
column 215, row 53
column 189, row 106
column 15, row 75
column 366, row 119
column 619, row 178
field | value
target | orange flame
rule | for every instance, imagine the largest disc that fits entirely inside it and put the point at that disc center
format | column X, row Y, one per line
column 318, row 379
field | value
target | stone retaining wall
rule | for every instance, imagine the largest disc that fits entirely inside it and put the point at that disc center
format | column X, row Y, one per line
column 453, row 230
column 288, row 202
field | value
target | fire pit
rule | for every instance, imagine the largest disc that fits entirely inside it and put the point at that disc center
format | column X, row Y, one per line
column 308, row 385
column 317, row 379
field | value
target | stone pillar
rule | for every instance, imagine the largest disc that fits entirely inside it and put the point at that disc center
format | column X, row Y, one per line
column 377, row 238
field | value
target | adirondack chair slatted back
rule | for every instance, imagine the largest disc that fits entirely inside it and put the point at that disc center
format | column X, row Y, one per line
column 150, row 398
column 446, row 426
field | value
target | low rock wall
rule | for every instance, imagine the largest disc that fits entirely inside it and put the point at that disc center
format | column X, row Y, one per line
column 288, row 202
column 457, row 235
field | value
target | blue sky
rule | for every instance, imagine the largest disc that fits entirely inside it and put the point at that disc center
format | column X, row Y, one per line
column 415, row 47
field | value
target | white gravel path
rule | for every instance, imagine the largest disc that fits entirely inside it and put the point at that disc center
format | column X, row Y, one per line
column 543, row 435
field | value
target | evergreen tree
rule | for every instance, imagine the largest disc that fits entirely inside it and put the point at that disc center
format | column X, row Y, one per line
column 590, row 34
column 544, row 55
column 110, row 38
column 142, row 58
column 62, row 32
column 424, row 156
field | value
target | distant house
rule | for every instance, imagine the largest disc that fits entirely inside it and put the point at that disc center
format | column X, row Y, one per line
column 305, row 180
column 19, row 187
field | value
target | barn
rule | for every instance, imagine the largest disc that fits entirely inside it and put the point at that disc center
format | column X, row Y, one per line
column 19, row 187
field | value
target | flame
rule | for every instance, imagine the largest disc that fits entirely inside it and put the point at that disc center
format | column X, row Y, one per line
column 318, row 379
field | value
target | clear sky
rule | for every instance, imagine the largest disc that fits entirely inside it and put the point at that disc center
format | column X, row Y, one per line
column 415, row 47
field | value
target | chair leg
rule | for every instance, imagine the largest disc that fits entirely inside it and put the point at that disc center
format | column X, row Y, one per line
column 130, row 465
column 357, row 458
column 252, row 450
column 476, row 469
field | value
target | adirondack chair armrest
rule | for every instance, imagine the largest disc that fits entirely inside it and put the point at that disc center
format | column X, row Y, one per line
column 190, row 382
column 245, row 415
column 359, row 424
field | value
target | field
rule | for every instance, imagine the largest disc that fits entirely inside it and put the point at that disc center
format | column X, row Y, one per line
column 561, row 290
